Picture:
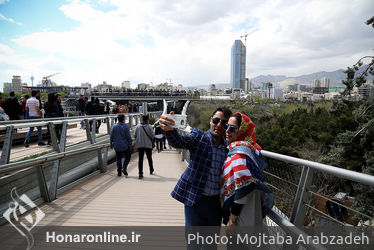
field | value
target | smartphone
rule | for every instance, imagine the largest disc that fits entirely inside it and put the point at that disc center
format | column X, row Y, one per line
column 180, row 121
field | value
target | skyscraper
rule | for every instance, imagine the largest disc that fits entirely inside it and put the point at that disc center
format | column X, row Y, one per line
column 237, row 76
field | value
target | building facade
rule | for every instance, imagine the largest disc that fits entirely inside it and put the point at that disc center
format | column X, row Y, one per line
column 17, row 84
column 125, row 84
column 7, row 87
column 238, row 61
column 321, row 86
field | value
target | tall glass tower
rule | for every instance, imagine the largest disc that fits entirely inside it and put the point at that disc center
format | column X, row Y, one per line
column 238, row 53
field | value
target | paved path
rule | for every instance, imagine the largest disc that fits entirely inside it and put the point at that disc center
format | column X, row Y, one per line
column 109, row 200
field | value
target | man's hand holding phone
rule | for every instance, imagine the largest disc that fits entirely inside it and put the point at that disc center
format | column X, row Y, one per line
column 171, row 121
column 166, row 122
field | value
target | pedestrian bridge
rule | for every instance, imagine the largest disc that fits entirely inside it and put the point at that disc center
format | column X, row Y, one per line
column 75, row 183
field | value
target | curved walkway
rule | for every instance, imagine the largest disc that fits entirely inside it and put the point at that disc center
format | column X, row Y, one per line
column 109, row 200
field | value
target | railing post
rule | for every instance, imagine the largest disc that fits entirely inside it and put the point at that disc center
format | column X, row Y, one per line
column 88, row 128
column 93, row 131
column 53, row 136
column 104, row 162
column 144, row 104
column 56, row 165
column 44, row 193
column 7, row 146
column 131, row 120
column 63, row 136
column 183, row 154
column 107, row 125
column 300, row 209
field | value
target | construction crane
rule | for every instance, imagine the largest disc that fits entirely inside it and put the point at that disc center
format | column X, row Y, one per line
column 46, row 82
column 247, row 34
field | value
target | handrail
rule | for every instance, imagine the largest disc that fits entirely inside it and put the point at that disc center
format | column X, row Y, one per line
column 48, row 158
column 58, row 120
column 339, row 172
column 290, row 228
column 72, row 118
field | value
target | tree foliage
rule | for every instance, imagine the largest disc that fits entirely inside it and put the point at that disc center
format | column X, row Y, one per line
column 356, row 81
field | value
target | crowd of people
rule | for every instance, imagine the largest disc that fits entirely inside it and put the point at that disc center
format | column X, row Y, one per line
column 32, row 108
column 147, row 92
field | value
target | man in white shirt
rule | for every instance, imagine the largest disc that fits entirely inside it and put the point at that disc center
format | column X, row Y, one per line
column 33, row 106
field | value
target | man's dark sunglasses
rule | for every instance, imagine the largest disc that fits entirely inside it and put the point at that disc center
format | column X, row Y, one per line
column 216, row 120
column 232, row 128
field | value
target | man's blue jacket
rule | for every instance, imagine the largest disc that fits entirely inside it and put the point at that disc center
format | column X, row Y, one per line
column 192, row 182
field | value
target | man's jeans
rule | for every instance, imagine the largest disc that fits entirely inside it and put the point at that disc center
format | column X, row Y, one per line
column 40, row 136
column 206, row 212
column 120, row 155
column 204, row 218
column 82, row 122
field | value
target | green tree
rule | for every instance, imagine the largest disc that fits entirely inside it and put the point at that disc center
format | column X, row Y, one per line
column 356, row 81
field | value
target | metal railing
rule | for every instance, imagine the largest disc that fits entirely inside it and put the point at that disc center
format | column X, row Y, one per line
column 10, row 126
column 295, row 195
column 46, row 169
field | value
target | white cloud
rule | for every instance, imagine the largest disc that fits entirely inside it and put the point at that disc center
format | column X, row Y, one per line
column 11, row 20
column 190, row 41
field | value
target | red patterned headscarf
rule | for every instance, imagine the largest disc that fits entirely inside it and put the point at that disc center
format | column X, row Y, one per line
column 247, row 132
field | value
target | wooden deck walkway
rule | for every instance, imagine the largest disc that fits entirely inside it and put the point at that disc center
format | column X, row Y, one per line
column 109, row 200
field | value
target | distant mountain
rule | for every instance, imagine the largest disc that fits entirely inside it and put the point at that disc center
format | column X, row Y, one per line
column 218, row 86
column 336, row 78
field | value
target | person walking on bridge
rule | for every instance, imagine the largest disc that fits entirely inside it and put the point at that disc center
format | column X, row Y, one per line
column 33, row 105
column 120, row 140
column 12, row 107
column 80, row 108
column 199, row 186
column 144, row 142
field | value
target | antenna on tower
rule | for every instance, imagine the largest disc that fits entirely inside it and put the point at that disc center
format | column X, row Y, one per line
column 32, row 80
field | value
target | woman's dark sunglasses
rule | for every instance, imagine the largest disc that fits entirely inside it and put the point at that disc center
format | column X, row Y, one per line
column 216, row 120
column 232, row 128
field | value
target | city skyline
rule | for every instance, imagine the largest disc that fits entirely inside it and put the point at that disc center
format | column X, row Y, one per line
column 187, row 42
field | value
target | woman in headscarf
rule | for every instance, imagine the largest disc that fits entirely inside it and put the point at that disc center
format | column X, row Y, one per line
column 245, row 198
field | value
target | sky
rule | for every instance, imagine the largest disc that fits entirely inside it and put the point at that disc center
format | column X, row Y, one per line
column 180, row 41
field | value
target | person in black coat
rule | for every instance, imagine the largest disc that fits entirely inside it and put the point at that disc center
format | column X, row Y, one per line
column 12, row 107
column 81, row 105
column 97, row 109
column 51, row 111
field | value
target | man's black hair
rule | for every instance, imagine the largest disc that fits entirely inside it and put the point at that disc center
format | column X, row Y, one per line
column 121, row 118
column 11, row 93
column 33, row 93
column 225, row 110
column 145, row 118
